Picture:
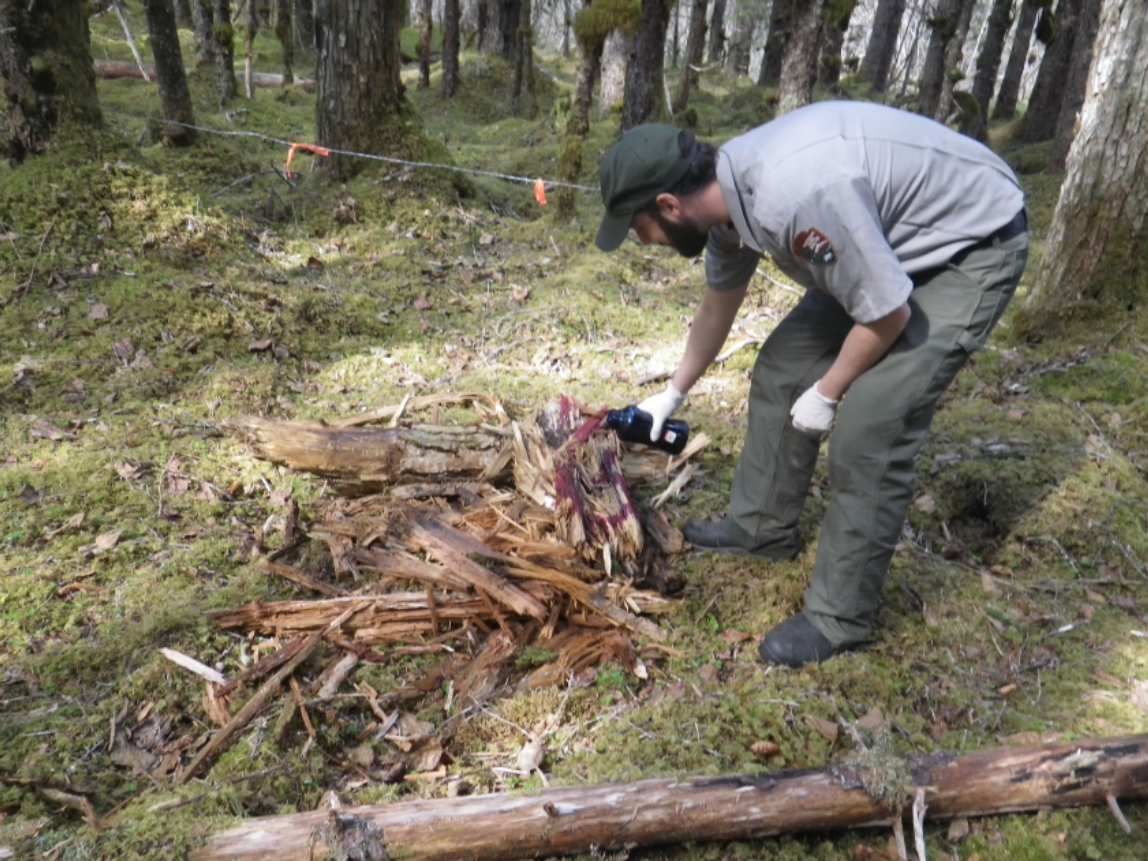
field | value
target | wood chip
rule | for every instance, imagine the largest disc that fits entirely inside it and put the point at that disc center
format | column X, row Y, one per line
column 189, row 663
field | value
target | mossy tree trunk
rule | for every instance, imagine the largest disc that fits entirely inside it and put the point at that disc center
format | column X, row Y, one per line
column 593, row 30
column 1087, row 26
column 203, row 30
column 737, row 57
column 613, row 72
column 426, row 35
column 1009, row 91
column 47, row 71
column 360, row 92
column 953, row 57
column 223, row 35
column 183, row 14
column 715, row 45
column 1043, row 110
column 499, row 27
column 644, row 75
column 285, row 33
column 781, row 15
column 305, row 24
column 695, row 48
column 802, row 48
column 524, row 102
column 988, row 64
column 250, row 29
column 944, row 24
column 1094, row 262
column 838, row 13
column 174, row 95
column 450, row 47
column 882, row 45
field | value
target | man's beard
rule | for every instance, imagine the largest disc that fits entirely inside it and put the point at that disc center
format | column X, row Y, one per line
column 685, row 237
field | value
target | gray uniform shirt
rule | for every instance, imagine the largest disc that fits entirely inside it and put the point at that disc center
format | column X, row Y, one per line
column 853, row 199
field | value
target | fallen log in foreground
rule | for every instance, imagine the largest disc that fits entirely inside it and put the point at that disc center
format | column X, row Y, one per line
column 123, row 69
column 735, row 807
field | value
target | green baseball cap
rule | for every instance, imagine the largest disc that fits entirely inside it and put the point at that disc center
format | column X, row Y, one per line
column 644, row 163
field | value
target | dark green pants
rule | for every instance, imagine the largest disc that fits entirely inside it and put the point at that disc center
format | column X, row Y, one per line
column 881, row 425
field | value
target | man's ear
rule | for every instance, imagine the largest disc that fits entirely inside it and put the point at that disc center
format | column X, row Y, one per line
column 669, row 204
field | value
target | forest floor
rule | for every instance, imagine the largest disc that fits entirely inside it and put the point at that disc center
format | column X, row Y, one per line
column 149, row 293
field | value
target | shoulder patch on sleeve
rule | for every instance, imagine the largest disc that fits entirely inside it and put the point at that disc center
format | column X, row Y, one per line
column 814, row 246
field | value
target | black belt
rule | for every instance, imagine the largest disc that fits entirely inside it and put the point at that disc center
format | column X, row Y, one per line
column 1012, row 230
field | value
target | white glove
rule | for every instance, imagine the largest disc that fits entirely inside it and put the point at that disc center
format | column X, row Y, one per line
column 661, row 406
column 813, row 412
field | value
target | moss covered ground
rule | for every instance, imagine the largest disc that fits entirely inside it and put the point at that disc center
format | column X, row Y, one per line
column 149, row 293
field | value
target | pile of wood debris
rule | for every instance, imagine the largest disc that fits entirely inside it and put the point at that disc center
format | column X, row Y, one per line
column 473, row 542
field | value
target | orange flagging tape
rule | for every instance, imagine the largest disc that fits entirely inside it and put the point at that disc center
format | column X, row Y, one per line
column 318, row 150
column 540, row 191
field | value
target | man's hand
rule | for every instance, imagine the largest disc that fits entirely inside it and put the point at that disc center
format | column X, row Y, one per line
column 813, row 412
column 661, row 406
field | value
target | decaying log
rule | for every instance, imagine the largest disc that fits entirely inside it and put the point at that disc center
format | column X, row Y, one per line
column 359, row 461
column 120, row 69
column 737, row 807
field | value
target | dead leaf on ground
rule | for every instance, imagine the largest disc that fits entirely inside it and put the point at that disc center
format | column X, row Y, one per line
column 422, row 303
column 826, row 728
column 260, row 346
column 925, row 503
column 129, row 470
column 872, row 720
column 989, row 584
column 31, row 495
column 99, row 311
column 108, row 540
column 958, row 830
column 732, row 636
column 124, row 348
column 44, row 429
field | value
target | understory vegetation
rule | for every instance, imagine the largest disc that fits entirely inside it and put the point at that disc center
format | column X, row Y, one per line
column 148, row 293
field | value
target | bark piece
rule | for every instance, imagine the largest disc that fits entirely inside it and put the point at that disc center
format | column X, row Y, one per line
column 731, row 807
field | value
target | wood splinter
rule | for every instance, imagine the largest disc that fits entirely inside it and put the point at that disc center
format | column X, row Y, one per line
column 1114, row 806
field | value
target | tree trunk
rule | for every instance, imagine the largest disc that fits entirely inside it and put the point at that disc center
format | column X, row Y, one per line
column 566, row 19
column 695, row 48
column 1043, row 110
column 953, row 56
column 612, row 87
column 174, row 95
column 183, row 14
column 619, row 817
column 250, row 30
column 426, row 35
column 781, row 18
column 1087, row 26
column 305, row 24
column 499, row 34
column 837, row 16
column 799, row 68
column 46, row 67
column 882, row 46
column 1009, row 92
column 715, row 47
column 578, row 126
column 285, row 33
column 944, row 23
column 524, row 102
column 988, row 65
column 202, row 28
column 643, row 90
column 223, row 36
column 360, row 88
column 1094, row 254
column 451, row 15
column 737, row 57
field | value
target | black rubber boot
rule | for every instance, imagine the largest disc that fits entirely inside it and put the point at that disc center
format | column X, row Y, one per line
column 725, row 536
column 795, row 643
